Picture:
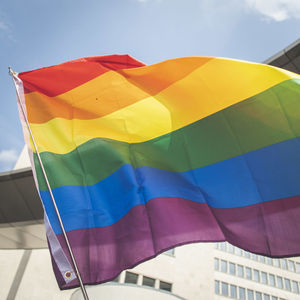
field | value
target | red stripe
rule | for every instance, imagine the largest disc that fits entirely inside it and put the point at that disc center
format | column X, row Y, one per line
column 61, row 78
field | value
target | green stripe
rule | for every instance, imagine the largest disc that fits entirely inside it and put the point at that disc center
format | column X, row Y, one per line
column 265, row 119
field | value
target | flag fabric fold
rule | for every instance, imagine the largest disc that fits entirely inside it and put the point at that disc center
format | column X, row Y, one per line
column 141, row 159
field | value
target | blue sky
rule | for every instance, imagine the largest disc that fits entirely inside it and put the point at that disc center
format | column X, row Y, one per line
column 39, row 33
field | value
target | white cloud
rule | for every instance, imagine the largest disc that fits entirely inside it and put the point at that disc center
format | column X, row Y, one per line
column 8, row 158
column 6, row 28
column 277, row 10
column 3, row 26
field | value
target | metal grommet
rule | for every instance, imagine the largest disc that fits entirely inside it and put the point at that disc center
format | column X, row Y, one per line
column 68, row 274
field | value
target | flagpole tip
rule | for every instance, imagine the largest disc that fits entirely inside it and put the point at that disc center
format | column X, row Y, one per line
column 11, row 72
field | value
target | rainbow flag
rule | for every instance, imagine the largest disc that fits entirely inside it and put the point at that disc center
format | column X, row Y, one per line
column 141, row 159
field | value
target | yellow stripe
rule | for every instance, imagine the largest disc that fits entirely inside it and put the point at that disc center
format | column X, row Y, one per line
column 210, row 88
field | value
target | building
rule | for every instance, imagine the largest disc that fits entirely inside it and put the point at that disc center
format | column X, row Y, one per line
column 196, row 271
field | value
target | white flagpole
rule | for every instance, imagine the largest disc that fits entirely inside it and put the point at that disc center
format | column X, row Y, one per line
column 82, row 287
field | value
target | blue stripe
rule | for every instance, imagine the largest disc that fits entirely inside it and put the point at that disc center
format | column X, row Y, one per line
column 263, row 175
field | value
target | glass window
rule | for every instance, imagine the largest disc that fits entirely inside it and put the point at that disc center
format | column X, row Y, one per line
column 248, row 273
column 298, row 267
column 258, row 295
column 253, row 256
column 148, row 281
column 262, row 259
column 291, row 265
column 116, row 279
column 279, row 282
column 216, row 245
column 238, row 251
column 217, row 287
column 233, row 291
column 224, row 287
column 274, row 298
column 223, row 246
column 266, row 297
column 232, row 268
column 170, row 252
column 287, row 284
column 246, row 254
column 131, row 278
column 230, row 248
column 264, row 277
column 276, row 262
column 165, row 286
column 256, row 275
column 295, row 287
column 242, row 293
column 283, row 264
column 224, row 266
column 250, row 295
column 269, row 261
column 240, row 271
column 272, row 280
column 216, row 264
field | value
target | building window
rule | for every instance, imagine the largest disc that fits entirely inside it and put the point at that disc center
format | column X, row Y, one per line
column 266, row 297
column 298, row 267
column 230, row 248
column 240, row 271
column 242, row 293
column 233, row 291
column 283, row 264
column 276, row 262
column 279, row 282
column 274, row 298
column 148, row 281
column 217, row 287
column 165, row 286
column 239, row 252
column 262, row 259
column 272, row 279
column 131, row 278
column 248, row 273
column 269, row 261
column 170, row 252
column 295, row 287
column 254, row 256
column 232, row 268
column 291, row 265
column 216, row 264
column 224, row 288
column 117, row 279
column 287, row 284
column 223, row 246
column 246, row 254
column 250, row 295
column 258, row 295
column 264, row 278
column 216, row 245
column 223, row 266
column 256, row 275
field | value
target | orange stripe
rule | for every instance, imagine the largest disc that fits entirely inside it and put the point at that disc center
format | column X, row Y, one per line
column 85, row 101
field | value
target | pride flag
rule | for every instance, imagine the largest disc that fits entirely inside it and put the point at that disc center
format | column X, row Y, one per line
column 141, row 159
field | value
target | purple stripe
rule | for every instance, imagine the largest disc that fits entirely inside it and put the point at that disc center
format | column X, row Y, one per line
column 269, row 228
